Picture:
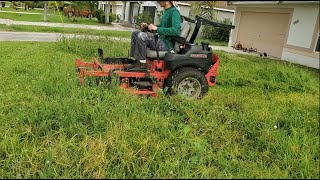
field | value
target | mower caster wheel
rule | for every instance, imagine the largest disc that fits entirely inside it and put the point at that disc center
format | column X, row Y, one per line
column 188, row 81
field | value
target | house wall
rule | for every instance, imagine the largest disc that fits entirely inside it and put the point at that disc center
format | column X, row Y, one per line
column 184, row 10
column 225, row 14
column 258, row 9
column 302, row 34
column 299, row 57
column 118, row 10
column 302, row 25
column 148, row 3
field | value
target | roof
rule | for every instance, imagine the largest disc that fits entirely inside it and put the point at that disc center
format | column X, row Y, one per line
column 183, row 3
column 270, row 2
column 223, row 5
column 222, row 9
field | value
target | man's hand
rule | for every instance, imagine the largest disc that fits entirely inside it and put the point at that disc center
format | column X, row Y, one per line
column 143, row 25
column 152, row 27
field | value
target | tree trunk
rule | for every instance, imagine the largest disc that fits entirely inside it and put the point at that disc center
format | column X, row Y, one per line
column 90, row 15
column 107, row 10
column 45, row 18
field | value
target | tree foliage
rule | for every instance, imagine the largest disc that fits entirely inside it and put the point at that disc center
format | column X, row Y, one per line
column 218, row 34
column 206, row 9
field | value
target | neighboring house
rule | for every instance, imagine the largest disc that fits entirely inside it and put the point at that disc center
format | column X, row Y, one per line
column 288, row 30
column 221, row 13
column 224, row 13
column 127, row 10
column 115, row 6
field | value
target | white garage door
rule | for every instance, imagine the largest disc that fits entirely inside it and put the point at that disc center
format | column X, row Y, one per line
column 265, row 31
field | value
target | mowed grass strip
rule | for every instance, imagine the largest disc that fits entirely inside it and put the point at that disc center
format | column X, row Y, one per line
column 260, row 121
column 27, row 28
column 122, row 34
column 51, row 18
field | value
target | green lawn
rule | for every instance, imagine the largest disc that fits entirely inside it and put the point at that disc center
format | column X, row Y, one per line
column 8, row 7
column 260, row 121
column 122, row 34
column 27, row 28
column 51, row 18
column 22, row 10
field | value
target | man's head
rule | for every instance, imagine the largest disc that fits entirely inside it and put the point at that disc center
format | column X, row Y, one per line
column 165, row 4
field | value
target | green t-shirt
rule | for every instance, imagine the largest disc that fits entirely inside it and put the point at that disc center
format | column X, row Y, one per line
column 170, row 25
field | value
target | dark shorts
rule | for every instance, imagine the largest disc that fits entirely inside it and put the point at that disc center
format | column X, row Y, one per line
column 140, row 41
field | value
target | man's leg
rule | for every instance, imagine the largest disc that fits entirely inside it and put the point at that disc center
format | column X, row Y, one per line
column 161, row 45
column 139, row 45
column 134, row 36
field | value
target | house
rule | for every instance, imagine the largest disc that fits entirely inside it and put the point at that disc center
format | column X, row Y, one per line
column 288, row 30
column 127, row 10
column 221, row 13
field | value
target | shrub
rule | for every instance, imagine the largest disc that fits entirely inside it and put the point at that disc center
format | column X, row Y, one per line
column 100, row 15
column 142, row 17
column 38, row 4
column 112, row 17
column 217, row 34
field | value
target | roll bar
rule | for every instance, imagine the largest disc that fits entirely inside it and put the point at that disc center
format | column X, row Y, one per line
column 202, row 21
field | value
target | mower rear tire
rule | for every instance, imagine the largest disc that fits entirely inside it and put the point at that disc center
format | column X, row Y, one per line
column 188, row 81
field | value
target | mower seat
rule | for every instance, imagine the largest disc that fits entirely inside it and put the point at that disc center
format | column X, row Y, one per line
column 185, row 29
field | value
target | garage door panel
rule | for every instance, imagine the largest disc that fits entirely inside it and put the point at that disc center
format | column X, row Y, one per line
column 265, row 30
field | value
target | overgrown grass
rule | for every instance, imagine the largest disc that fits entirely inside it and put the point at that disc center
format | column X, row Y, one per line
column 212, row 43
column 26, row 28
column 260, row 121
column 51, row 18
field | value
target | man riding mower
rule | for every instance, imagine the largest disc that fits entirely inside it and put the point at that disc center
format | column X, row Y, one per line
column 189, row 70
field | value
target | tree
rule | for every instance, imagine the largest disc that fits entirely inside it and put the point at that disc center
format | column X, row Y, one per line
column 92, row 6
column 107, row 11
column 27, row 5
column 204, row 9
column 76, row 7
column 45, row 18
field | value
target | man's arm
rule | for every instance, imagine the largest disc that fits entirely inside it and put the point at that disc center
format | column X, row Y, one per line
column 175, row 30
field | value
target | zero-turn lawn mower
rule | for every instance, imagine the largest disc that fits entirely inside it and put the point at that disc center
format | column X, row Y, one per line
column 190, row 70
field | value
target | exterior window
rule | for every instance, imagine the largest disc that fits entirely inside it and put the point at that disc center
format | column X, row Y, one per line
column 318, row 44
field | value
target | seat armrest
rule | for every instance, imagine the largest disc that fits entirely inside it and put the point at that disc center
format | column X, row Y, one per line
column 180, row 40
